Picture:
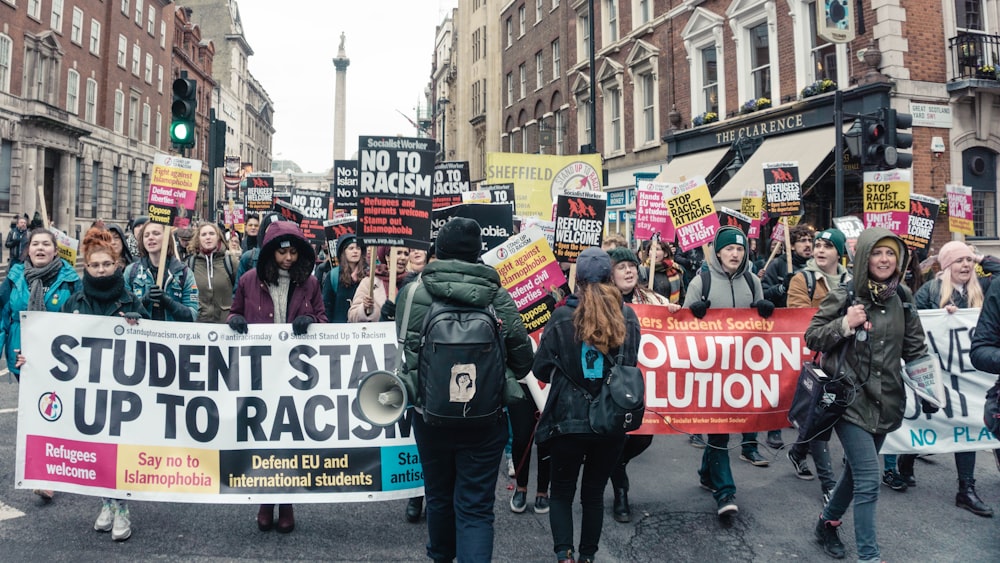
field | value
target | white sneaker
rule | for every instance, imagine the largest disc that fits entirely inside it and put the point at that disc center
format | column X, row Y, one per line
column 511, row 471
column 122, row 528
column 106, row 518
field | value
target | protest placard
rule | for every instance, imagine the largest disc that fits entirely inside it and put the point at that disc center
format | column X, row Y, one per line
column 539, row 178
column 732, row 218
column 234, row 216
column 336, row 228
column 693, row 213
column 450, row 180
column 752, row 205
column 67, row 247
column 231, row 177
column 852, row 227
column 495, row 220
column 960, row 209
column 315, row 206
column 529, row 271
column 652, row 216
column 477, row 196
column 194, row 413
column 782, row 189
column 260, row 193
column 173, row 189
column 345, row 184
column 396, row 191
column 579, row 223
column 923, row 215
column 501, row 193
column 887, row 200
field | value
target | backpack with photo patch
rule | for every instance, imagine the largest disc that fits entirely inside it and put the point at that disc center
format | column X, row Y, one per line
column 461, row 365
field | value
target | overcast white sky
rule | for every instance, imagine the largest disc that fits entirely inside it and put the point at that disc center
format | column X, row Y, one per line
column 390, row 44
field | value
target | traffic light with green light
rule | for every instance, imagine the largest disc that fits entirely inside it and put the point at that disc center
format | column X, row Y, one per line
column 182, row 111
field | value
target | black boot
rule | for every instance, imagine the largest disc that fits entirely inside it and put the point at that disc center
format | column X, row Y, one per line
column 622, row 511
column 828, row 538
column 413, row 509
column 905, row 462
column 969, row 500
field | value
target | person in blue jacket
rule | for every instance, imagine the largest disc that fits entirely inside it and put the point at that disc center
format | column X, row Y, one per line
column 42, row 281
column 177, row 298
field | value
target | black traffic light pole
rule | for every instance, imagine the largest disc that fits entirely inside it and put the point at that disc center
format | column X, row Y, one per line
column 875, row 146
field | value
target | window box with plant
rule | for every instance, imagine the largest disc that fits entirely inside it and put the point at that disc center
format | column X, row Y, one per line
column 986, row 72
column 819, row 87
column 704, row 118
column 755, row 104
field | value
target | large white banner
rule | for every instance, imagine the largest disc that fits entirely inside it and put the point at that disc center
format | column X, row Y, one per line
column 191, row 412
column 958, row 426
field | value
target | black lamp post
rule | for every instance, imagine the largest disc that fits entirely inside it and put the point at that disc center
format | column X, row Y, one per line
column 442, row 104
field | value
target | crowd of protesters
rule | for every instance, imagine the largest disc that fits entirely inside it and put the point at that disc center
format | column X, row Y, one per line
column 271, row 274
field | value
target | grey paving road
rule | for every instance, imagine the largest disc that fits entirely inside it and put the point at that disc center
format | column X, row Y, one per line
column 675, row 520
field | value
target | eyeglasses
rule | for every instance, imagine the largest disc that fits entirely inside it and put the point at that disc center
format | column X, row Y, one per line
column 101, row 265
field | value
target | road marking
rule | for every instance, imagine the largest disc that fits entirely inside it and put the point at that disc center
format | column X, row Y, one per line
column 9, row 512
column 5, row 411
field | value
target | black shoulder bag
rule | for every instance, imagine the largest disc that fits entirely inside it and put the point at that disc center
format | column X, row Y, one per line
column 619, row 405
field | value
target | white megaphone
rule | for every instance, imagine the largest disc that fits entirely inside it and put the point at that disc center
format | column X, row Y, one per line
column 382, row 398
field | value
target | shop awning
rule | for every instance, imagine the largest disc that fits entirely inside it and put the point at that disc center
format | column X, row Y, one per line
column 691, row 165
column 809, row 148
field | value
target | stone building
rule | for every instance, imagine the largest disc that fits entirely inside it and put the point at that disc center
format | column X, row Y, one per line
column 83, row 99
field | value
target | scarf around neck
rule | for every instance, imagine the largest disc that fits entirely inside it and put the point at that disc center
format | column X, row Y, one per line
column 104, row 290
column 279, row 296
column 883, row 291
column 39, row 281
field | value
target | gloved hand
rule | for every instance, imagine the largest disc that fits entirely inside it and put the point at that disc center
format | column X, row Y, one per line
column 927, row 407
column 238, row 323
column 764, row 307
column 699, row 308
column 155, row 296
column 388, row 311
column 132, row 317
column 301, row 324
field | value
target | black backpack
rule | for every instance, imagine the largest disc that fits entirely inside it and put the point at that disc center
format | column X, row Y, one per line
column 461, row 365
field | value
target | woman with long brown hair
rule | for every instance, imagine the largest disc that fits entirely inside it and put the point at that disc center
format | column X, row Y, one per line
column 576, row 352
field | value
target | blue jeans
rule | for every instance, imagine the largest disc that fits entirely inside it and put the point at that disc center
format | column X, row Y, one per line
column 820, row 452
column 715, row 466
column 460, row 478
column 598, row 455
column 860, row 482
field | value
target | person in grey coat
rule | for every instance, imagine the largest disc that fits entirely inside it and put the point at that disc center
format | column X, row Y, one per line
column 731, row 288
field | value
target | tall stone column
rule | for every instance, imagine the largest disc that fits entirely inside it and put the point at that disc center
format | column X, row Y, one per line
column 340, row 101
column 62, row 193
column 32, row 174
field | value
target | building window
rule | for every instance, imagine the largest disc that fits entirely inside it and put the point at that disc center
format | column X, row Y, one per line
column 95, row 37
column 510, row 32
column 159, row 78
column 57, row 12
column 136, row 54
column 611, row 17
column 76, row 31
column 35, row 9
column 556, row 70
column 133, row 117
column 647, row 93
column 560, row 132
column 523, row 74
column 613, row 110
column 510, row 89
column 163, row 34
column 145, row 123
column 125, row 8
column 709, row 79
column 520, row 19
column 42, row 73
column 122, row 50
column 583, row 32
column 643, row 12
column 119, row 124
column 539, row 71
column 6, row 49
column 969, row 15
column 138, row 13
column 158, row 130
column 90, row 111
column 151, row 21
column 538, row 11
column 555, row 4
column 149, row 68
column 95, row 186
column 823, row 53
column 73, row 92
column 760, row 61
column 6, row 148
column 583, row 119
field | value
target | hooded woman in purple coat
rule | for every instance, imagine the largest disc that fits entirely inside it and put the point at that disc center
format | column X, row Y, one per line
column 281, row 289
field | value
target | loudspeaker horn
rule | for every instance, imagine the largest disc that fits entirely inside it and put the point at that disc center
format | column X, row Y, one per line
column 382, row 398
